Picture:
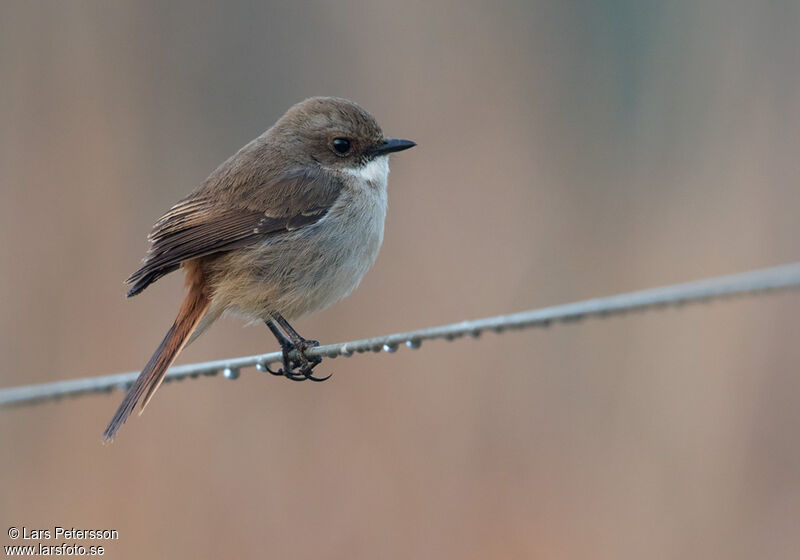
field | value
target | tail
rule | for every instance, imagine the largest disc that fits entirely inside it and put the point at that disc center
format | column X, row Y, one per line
column 194, row 307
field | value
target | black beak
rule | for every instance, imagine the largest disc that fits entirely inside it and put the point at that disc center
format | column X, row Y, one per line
column 393, row 145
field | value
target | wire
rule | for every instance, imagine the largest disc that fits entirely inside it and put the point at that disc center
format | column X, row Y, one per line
column 758, row 281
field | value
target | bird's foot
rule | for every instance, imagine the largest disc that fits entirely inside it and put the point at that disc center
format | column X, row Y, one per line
column 300, row 367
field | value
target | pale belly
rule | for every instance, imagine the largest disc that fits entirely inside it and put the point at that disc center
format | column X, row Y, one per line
column 310, row 269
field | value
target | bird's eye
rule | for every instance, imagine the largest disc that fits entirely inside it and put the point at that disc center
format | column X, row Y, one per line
column 341, row 145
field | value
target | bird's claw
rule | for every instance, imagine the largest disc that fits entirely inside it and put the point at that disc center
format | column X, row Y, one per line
column 300, row 367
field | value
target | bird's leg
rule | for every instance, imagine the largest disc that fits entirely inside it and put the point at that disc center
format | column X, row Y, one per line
column 300, row 367
column 306, row 363
column 286, row 347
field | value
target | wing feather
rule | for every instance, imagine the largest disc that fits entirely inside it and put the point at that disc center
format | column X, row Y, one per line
column 199, row 225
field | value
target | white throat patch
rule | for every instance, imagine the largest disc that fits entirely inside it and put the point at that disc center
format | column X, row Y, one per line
column 376, row 172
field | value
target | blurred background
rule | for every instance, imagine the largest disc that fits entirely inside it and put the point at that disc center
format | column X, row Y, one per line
column 567, row 150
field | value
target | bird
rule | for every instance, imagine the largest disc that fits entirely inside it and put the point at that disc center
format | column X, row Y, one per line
column 285, row 227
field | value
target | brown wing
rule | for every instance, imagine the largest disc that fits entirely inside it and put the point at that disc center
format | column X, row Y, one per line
column 200, row 225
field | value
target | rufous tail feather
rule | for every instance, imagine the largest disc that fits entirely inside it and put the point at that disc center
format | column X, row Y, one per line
column 192, row 310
